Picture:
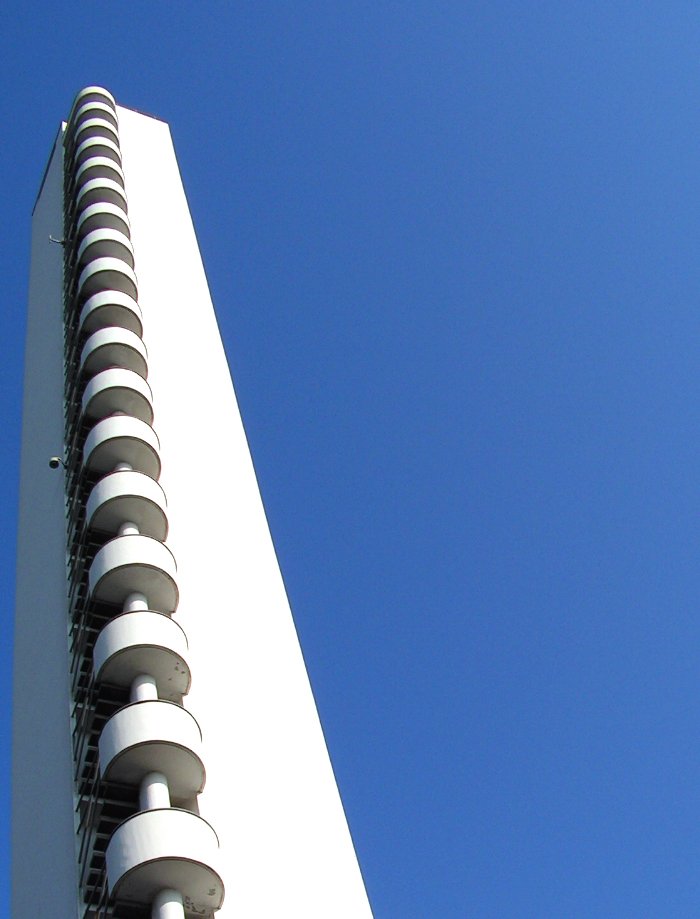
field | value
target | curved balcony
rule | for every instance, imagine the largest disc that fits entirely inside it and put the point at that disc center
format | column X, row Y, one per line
column 118, row 390
column 93, row 94
column 107, row 274
column 128, row 495
column 97, row 146
column 103, row 216
column 122, row 439
column 143, row 642
column 129, row 564
column 92, row 108
column 111, row 308
column 165, row 848
column 98, row 167
column 153, row 736
column 101, row 190
column 106, row 244
column 94, row 127
column 114, row 347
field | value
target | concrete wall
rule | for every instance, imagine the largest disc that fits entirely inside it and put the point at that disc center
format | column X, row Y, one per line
column 270, row 793
column 44, row 879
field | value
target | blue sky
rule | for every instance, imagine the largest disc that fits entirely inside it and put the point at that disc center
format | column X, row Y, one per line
column 454, row 253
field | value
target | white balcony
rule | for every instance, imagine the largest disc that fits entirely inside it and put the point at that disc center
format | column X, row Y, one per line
column 122, row 439
column 134, row 563
column 103, row 216
column 94, row 127
column 98, row 167
column 114, row 347
column 107, row 274
column 118, row 390
column 93, row 94
column 100, row 190
column 165, row 848
column 128, row 496
column 93, row 108
column 143, row 642
column 105, row 243
column 153, row 736
column 97, row 146
column 111, row 308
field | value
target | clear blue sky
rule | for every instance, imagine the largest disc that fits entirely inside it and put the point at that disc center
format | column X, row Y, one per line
column 454, row 249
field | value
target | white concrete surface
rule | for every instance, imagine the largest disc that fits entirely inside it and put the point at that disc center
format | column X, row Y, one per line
column 158, row 849
column 139, row 641
column 153, row 736
column 109, row 308
column 270, row 794
column 43, row 833
column 128, row 495
column 118, row 390
column 120, row 438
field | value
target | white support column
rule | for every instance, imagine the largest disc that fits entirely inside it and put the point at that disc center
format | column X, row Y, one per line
column 135, row 602
column 128, row 529
column 168, row 905
column 144, row 689
column 154, row 792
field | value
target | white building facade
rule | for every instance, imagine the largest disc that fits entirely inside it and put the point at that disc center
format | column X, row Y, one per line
column 168, row 760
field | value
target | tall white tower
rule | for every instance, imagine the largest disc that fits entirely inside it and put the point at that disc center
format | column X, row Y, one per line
column 168, row 758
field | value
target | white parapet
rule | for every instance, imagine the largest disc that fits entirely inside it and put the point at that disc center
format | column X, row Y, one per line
column 97, row 146
column 98, row 167
column 101, row 190
column 102, row 216
column 106, row 274
column 131, row 496
column 135, row 563
column 105, row 243
column 93, row 128
column 168, row 848
column 110, row 308
column 140, row 642
column 93, row 108
column 114, row 347
column 93, row 94
column 153, row 736
column 122, row 439
column 118, row 390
